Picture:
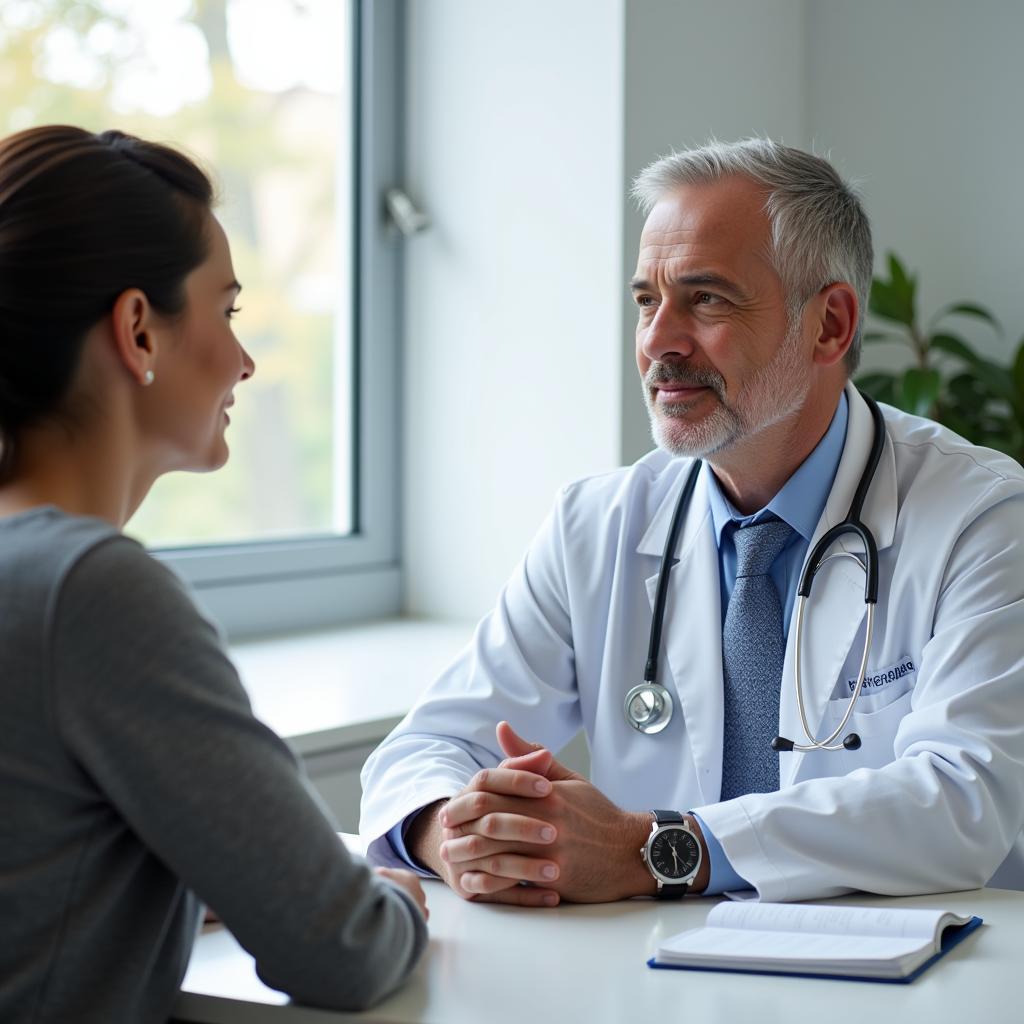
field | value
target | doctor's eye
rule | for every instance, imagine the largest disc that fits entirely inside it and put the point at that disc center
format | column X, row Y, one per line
column 707, row 298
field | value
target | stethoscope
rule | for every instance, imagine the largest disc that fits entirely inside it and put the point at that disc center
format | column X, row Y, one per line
column 648, row 707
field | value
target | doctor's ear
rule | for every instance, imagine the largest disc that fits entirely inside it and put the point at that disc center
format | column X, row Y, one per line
column 133, row 323
column 837, row 314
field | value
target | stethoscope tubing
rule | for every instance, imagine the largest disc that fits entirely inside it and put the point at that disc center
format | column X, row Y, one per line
column 667, row 558
column 852, row 523
column 829, row 742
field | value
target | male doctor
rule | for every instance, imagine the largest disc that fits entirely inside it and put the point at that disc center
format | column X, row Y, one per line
column 753, row 274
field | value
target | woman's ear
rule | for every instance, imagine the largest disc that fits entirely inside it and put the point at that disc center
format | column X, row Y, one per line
column 839, row 313
column 133, row 327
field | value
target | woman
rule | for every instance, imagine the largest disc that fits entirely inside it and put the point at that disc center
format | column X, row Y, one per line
column 134, row 780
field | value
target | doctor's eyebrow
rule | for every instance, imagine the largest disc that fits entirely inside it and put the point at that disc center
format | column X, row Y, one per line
column 706, row 280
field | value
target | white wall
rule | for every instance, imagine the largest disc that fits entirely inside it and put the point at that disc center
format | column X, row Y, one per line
column 513, row 297
column 921, row 100
column 527, row 122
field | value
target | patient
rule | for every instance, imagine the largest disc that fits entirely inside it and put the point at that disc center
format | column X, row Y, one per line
column 134, row 780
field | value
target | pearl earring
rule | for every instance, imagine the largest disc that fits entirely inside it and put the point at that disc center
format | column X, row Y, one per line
column 147, row 378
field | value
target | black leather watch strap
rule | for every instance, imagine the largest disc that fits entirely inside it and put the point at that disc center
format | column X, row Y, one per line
column 668, row 817
column 673, row 892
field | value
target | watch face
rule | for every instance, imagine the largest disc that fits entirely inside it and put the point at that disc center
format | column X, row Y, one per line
column 674, row 853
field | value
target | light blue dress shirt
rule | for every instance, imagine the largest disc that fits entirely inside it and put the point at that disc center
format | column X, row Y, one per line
column 800, row 504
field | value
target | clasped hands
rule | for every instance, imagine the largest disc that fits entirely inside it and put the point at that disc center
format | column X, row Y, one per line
column 531, row 820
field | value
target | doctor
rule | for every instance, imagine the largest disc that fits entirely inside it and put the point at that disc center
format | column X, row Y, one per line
column 753, row 272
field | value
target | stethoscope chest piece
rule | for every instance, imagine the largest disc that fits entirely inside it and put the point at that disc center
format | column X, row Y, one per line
column 648, row 708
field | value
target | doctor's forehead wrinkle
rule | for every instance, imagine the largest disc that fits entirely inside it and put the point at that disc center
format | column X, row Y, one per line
column 700, row 279
column 661, row 245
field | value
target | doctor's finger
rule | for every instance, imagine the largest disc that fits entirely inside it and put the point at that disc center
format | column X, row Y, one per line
column 473, row 847
column 517, row 828
column 470, row 805
column 536, row 761
column 492, row 874
column 522, row 896
column 510, row 782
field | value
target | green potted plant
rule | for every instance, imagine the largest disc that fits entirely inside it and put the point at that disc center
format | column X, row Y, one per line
column 947, row 380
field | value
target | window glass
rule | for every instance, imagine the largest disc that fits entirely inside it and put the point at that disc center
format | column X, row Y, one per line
column 261, row 92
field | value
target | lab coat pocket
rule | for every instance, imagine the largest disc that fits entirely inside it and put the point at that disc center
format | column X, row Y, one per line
column 875, row 724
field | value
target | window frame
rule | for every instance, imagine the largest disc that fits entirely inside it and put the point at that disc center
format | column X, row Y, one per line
column 310, row 582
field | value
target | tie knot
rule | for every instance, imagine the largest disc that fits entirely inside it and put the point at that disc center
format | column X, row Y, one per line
column 758, row 545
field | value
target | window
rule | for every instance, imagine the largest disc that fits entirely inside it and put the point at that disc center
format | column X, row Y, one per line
column 293, row 106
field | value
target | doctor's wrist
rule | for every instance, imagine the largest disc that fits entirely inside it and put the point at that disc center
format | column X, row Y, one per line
column 703, row 876
column 638, row 879
column 423, row 840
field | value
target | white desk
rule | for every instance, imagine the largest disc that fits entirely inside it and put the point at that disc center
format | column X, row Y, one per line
column 491, row 965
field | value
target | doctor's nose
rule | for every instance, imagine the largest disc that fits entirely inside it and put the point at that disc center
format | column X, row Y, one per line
column 666, row 337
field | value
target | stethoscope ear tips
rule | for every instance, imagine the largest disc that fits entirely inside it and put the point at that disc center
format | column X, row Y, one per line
column 781, row 745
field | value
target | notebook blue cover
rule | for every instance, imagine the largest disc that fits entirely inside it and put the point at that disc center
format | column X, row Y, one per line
column 951, row 937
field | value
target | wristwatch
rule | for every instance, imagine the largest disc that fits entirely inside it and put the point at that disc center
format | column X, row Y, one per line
column 672, row 854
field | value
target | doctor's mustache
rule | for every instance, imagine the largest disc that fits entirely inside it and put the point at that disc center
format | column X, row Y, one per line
column 680, row 373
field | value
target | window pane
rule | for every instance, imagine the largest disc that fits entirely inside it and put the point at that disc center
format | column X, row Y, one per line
column 261, row 92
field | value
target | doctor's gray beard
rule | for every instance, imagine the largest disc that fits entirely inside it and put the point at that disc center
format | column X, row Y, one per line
column 774, row 392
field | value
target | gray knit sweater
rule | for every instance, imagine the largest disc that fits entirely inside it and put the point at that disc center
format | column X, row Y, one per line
column 135, row 782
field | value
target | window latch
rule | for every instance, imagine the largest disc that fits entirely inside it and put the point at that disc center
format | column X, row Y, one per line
column 404, row 213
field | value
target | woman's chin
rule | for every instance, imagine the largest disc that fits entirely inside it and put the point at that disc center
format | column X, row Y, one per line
column 210, row 461
column 219, row 458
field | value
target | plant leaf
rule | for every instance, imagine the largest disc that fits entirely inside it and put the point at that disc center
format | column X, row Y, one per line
column 894, row 299
column 919, row 389
column 880, row 386
column 869, row 336
column 954, row 346
column 996, row 380
column 971, row 309
column 897, row 272
column 891, row 302
column 1018, row 369
column 967, row 388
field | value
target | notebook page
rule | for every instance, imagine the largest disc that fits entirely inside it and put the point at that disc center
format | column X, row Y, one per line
column 894, row 922
column 726, row 945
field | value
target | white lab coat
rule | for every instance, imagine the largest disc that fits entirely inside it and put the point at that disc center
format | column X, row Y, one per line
column 933, row 800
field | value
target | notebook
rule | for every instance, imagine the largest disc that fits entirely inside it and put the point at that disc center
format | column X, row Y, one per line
column 893, row 944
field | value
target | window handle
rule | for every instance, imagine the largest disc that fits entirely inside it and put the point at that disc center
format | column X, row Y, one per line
column 404, row 213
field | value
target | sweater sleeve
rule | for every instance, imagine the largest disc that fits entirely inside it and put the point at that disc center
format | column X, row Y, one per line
column 148, row 702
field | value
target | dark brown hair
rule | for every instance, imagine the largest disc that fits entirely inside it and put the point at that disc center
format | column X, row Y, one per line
column 83, row 217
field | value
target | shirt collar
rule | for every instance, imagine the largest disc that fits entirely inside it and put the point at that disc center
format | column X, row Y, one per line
column 803, row 496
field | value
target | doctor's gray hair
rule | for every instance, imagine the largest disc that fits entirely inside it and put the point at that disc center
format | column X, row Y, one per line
column 819, row 231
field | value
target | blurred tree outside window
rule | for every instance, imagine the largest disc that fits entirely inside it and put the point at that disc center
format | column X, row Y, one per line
column 260, row 91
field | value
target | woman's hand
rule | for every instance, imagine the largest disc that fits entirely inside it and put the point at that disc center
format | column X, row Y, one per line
column 408, row 882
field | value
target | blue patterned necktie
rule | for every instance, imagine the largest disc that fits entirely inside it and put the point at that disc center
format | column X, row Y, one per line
column 753, row 651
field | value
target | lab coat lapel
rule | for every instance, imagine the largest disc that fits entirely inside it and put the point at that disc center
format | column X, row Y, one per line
column 835, row 609
column 690, row 664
